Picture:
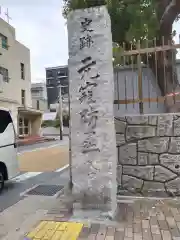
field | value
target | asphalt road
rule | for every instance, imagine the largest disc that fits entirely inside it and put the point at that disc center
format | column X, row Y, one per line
column 13, row 191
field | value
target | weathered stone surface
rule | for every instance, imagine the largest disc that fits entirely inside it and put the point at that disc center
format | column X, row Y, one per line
column 149, row 186
column 94, row 160
column 165, row 125
column 174, row 145
column 152, row 120
column 119, row 174
column 128, row 154
column 129, row 182
column 153, row 162
column 120, row 139
column 171, row 161
column 177, row 127
column 139, row 131
column 154, row 145
column 123, row 119
column 137, row 120
column 176, row 116
column 173, row 184
column 145, row 172
column 120, row 126
column 142, row 158
column 153, row 159
column 162, row 174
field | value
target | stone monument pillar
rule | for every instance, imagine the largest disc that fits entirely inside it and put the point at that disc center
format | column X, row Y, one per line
column 93, row 142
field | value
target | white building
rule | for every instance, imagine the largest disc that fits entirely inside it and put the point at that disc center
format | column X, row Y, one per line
column 39, row 96
column 15, row 82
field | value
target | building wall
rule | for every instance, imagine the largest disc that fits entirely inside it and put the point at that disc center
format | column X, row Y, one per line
column 126, row 87
column 54, row 80
column 148, row 150
column 10, row 96
column 42, row 104
column 39, row 91
column 11, row 59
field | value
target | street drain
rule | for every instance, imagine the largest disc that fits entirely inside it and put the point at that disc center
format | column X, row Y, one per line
column 45, row 190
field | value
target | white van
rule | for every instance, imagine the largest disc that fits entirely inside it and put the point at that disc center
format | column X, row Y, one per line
column 8, row 148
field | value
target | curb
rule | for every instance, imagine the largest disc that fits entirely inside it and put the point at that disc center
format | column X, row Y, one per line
column 20, row 144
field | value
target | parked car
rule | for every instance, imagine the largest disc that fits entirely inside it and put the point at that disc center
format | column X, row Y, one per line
column 9, row 167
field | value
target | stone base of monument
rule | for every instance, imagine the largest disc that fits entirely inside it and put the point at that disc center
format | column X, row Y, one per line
column 90, row 208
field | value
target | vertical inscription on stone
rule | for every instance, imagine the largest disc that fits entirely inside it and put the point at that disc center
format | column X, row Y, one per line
column 93, row 138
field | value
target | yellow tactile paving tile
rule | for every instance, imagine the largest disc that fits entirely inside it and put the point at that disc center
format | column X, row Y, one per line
column 51, row 230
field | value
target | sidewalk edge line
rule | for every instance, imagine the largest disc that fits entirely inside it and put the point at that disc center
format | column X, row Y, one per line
column 62, row 169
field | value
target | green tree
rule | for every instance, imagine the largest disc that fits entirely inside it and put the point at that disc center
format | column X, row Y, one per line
column 139, row 20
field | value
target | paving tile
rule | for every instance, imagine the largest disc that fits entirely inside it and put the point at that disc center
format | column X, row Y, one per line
column 178, row 225
column 129, row 232
column 137, row 236
column 110, row 232
column 120, row 228
column 119, row 235
column 163, row 225
column 145, row 224
column 137, row 227
column 94, row 228
column 55, row 230
column 84, row 233
column 155, row 229
column 101, row 233
column 175, row 232
column 109, row 237
column 156, row 237
column 166, row 235
column 171, row 221
column 161, row 216
column 153, row 220
column 147, row 234
column 92, row 237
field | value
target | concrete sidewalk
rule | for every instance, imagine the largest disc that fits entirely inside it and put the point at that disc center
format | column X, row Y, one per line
column 138, row 219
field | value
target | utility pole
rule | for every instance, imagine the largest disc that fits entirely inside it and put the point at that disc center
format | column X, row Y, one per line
column 60, row 114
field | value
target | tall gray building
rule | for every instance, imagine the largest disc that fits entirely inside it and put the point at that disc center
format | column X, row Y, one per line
column 56, row 77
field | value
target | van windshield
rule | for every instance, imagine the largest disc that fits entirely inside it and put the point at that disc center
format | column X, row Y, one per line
column 5, row 120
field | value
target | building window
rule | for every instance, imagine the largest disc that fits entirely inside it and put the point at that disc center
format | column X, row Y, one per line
column 23, row 127
column 37, row 104
column 49, row 74
column 23, row 97
column 5, row 120
column 50, row 81
column 4, row 41
column 22, row 71
column 4, row 72
column 62, row 74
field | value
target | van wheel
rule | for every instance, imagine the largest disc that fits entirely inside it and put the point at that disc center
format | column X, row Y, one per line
column 1, row 181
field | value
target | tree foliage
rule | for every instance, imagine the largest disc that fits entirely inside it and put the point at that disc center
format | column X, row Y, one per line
column 131, row 19
column 138, row 20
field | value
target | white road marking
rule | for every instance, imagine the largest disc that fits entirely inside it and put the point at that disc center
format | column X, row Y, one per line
column 25, row 176
column 27, row 190
column 62, row 169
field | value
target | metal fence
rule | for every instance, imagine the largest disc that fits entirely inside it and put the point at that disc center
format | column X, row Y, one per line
column 146, row 80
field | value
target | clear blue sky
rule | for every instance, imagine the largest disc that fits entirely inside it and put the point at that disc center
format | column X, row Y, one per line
column 40, row 26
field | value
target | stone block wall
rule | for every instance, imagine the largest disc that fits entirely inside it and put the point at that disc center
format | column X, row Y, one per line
column 148, row 154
